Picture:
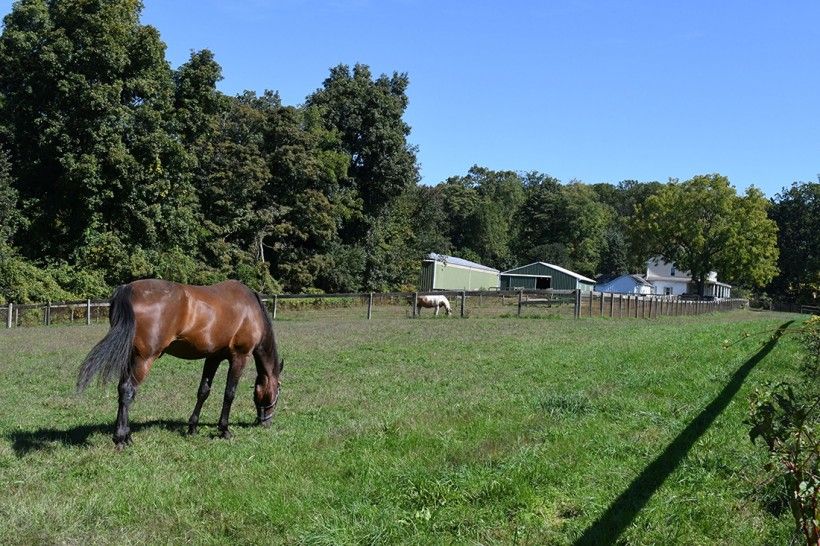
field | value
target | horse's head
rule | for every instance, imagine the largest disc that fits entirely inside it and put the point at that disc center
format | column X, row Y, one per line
column 266, row 395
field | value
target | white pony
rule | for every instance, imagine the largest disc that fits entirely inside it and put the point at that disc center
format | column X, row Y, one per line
column 436, row 302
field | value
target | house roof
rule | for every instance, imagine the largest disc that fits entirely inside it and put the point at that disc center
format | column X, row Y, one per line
column 687, row 280
column 637, row 279
column 553, row 266
column 640, row 280
column 679, row 278
column 452, row 260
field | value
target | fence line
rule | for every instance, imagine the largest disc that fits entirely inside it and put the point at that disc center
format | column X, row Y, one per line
column 584, row 304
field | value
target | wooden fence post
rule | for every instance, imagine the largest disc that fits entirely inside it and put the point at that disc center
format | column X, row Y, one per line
column 370, row 307
column 47, row 314
column 611, row 304
column 577, row 310
column 8, row 317
column 520, row 297
column 275, row 305
column 415, row 303
column 88, row 312
column 591, row 297
column 463, row 298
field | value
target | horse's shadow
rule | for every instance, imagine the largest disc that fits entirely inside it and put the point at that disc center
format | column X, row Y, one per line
column 24, row 442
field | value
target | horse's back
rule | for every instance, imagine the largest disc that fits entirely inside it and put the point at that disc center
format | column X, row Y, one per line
column 193, row 321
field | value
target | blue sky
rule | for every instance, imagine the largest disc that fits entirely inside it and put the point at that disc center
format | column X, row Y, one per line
column 594, row 91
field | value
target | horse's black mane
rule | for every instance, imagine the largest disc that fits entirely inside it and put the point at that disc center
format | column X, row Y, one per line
column 270, row 339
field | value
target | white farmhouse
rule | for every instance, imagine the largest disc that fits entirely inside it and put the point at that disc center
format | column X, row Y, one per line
column 668, row 281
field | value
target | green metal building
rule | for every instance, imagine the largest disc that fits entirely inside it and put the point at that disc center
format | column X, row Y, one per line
column 440, row 272
column 540, row 275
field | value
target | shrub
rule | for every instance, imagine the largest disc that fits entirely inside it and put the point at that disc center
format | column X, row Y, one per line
column 787, row 418
column 760, row 301
column 24, row 282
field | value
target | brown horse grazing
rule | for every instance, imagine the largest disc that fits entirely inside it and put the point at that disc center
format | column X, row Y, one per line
column 149, row 318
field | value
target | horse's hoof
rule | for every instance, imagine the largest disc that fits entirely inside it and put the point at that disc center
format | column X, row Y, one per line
column 121, row 441
column 225, row 434
column 191, row 430
column 263, row 424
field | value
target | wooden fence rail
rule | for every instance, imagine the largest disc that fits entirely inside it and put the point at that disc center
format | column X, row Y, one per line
column 583, row 304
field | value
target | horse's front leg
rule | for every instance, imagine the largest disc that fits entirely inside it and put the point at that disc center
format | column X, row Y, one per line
column 234, row 373
column 437, row 309
column 208, row 372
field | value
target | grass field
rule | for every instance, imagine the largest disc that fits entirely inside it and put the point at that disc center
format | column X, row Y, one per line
column 481, row 430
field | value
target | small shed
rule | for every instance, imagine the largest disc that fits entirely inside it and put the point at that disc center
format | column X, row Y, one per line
column 441, row 272
column 624, row 284
column 541, row 275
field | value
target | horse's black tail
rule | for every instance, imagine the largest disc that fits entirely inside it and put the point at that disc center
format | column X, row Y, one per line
column 111, row 357
column 269, row 341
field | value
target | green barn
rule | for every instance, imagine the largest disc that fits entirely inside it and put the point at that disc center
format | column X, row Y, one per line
column 541, row 275
column 440, row 272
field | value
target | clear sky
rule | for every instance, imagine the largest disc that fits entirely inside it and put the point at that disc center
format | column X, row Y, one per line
column 599, row 91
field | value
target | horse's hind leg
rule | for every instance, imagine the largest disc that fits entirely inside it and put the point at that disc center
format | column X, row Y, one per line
column 234, row 373
column 208, row 372
column 437, row 308
column 127, row 391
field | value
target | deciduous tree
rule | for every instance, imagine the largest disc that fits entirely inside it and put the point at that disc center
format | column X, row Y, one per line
column 87, row 97
column 702, row 225
column 797, row 213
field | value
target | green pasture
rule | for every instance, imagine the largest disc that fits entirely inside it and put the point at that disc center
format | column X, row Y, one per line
column 428, row 431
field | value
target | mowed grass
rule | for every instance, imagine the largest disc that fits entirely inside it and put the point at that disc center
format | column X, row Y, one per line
column 462, row 431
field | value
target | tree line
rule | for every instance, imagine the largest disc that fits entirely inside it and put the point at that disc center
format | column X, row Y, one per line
column 115, row 166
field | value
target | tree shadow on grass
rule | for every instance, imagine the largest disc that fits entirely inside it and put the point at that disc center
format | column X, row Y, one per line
column 620, row 514
column 23, row 442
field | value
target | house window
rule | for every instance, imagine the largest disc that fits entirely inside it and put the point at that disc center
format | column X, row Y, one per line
column 672, row 273
column 667, row 291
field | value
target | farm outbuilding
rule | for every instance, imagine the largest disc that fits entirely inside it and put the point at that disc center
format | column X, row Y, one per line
column 624, row 284
column 440, row 272
column 541, row 275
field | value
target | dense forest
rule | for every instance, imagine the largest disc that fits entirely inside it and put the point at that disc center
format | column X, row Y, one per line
column 114, row 166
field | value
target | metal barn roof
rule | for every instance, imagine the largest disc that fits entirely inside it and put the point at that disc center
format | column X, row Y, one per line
column 452, row 260
column 553, row 266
